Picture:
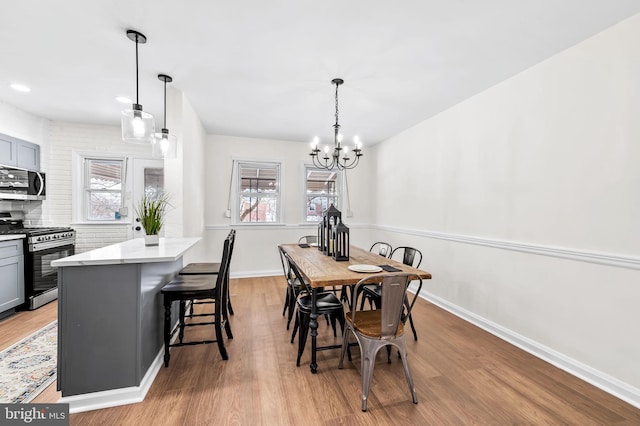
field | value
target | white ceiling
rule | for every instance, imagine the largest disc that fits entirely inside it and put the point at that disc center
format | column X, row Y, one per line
column 263, row 69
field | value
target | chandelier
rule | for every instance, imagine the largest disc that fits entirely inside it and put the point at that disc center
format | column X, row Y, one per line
column 339, row 157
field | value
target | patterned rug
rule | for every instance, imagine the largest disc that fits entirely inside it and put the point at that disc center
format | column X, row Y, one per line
column 29, row 366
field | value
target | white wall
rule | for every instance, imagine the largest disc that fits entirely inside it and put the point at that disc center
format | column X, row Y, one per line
column 524, row 200
column 185, row 175
column 256, row 252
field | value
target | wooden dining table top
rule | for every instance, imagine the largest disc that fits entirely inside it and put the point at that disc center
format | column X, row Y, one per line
column 322, row 270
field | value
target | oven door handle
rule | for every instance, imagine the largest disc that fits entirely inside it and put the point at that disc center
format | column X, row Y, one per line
column 36, row 247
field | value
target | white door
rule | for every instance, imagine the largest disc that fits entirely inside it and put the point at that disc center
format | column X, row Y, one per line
column 148, row 177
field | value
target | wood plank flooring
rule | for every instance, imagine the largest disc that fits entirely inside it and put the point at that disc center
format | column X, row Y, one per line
column 463, row 375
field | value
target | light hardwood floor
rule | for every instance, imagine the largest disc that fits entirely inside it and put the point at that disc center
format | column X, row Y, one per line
column 463, row 375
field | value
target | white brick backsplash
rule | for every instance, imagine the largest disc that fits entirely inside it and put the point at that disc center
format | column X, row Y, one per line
column 64, row 139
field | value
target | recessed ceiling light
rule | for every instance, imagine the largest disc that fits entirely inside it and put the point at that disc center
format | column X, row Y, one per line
column 123, row 99
column 19, row 87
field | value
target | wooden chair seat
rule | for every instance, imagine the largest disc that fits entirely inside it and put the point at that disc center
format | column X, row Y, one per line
column 205, row 268
column 183, row 286
column 368, row 323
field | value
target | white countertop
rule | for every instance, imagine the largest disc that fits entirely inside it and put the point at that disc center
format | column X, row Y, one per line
column 12, row 237
column 131, row 251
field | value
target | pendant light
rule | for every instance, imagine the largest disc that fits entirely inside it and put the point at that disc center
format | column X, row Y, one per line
column 137, row 126
column 164, row 144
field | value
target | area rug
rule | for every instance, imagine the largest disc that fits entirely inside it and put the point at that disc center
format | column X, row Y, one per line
column 29, row 366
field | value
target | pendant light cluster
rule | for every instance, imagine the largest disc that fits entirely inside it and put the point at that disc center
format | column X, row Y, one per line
column 138, row 127
column 336, row 157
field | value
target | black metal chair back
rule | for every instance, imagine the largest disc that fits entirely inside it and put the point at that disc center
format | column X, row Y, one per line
column 382, row 248
column 410, row 256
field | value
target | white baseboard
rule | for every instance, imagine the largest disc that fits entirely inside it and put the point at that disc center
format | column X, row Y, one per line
column 590, row 375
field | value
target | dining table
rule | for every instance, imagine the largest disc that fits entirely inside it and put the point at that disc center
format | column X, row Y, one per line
column 323, row 271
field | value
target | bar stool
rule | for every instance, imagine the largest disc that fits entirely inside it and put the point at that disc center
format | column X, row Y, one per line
column 185, row 288
column 206, row 268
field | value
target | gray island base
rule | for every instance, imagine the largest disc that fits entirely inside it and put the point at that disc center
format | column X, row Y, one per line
column 110, row 320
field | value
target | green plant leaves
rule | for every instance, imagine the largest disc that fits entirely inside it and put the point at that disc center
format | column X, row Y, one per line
column 151, row 212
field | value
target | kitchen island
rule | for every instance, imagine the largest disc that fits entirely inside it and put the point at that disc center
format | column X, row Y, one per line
column 110, row 320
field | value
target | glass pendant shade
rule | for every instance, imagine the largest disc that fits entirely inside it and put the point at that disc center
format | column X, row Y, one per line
column 137, row 126
column 165, row 145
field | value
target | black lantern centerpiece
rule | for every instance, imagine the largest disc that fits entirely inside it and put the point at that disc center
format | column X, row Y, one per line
column 321, row 240
column 340, row 241
column 330, row 218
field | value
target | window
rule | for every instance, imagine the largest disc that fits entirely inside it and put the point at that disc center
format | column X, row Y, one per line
column 153, row 182
column 258, row 192
column 103, row 188
column 321, row 190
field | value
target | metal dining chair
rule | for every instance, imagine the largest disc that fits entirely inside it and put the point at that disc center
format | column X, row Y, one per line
column 327, row 303
column 308, row 239
column 382, row 248
column 293, row 287
column 375, row 329
column 409, row 256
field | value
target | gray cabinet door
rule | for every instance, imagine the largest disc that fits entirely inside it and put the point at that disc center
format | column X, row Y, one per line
column 12, row 283
column 8, row 152
column 28, row 155
column 19, row 153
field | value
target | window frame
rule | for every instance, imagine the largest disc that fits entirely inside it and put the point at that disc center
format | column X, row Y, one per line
column 339, row 197
column 81, row 192
column 239, row 194
column 87, row 191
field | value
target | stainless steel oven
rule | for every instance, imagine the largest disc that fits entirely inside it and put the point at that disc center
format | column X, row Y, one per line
column 41, row 280
column 41, row 247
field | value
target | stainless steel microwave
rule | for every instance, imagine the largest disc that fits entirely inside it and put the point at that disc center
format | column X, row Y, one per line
column 20, row 184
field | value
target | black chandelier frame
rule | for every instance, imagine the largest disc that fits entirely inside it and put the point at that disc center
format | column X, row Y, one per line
column 338, row 158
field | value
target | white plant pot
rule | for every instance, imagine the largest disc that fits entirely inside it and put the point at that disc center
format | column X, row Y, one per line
column 151, row 240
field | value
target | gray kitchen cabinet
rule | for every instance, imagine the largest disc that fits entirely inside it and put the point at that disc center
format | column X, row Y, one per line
column 18, row 153
column 12, row 273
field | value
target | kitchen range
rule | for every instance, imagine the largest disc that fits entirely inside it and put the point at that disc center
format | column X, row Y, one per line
column 41, row 246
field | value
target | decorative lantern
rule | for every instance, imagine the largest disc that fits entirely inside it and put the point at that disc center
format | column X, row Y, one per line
column 330, row 218
column 340, row 241
column 321, row 235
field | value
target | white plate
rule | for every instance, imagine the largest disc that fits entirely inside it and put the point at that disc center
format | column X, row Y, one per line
column 364, row 268
column 313, row 244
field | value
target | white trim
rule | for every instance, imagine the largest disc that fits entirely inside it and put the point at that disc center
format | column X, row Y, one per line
column 608, row 259
column 590, row 375
column 278, row 226
column 115, row 397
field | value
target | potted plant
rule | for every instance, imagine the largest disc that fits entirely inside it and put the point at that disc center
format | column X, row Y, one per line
column 151, row 212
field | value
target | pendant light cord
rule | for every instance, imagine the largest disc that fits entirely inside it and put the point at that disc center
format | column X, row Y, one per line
column 336, row 126
column 165, row 104
column 137, row 102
